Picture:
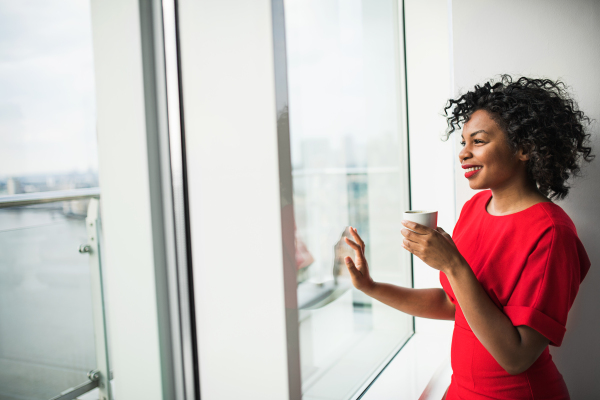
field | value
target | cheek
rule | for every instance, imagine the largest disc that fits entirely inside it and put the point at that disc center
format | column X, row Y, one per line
column 495, row 161
column 494, row 156
column 500, row 163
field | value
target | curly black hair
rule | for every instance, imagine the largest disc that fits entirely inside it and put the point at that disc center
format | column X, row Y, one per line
column 538, row 116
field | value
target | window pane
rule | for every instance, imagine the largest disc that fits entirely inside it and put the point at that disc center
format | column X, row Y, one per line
column 47, row 143
column 47, row 106
column 348, row 170
column 46, row 324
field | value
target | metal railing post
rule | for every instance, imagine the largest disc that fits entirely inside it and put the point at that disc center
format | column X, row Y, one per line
column 100, row 332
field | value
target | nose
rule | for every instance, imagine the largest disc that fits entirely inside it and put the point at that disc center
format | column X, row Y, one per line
column 464, row 154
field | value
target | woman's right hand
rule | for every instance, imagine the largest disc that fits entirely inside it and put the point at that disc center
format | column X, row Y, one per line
column 359, row 271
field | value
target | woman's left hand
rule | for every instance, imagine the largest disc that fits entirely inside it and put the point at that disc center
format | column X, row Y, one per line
column 434, row 246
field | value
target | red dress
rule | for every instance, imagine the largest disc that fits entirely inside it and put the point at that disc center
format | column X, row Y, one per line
column 530, row 263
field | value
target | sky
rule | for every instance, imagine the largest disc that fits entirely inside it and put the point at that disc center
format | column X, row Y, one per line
column 47, row 104
column 342, row 80
column 341, row 73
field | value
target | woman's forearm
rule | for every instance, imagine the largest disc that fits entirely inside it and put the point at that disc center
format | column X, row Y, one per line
column 491, row 326
column 514, row 348
column 426, row 303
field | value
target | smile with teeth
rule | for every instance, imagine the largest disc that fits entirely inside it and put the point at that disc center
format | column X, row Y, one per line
column 472, row 169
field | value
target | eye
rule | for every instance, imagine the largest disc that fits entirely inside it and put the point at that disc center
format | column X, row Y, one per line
column 463, row 144
column 476, row 141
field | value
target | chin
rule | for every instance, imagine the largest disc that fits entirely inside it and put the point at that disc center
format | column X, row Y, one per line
column 475, row 186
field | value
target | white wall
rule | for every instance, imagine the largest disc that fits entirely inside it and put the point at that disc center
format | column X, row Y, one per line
column 554, row 39
column 432, row 161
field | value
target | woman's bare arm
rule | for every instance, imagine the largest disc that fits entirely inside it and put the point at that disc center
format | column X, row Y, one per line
column 426, row 303
column 514, row 348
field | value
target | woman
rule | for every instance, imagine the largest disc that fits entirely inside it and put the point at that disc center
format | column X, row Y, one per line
column 512, row 269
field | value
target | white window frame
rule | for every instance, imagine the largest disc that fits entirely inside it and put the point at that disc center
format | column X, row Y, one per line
column 144, row 205
column 240, row 199
column 234, row 91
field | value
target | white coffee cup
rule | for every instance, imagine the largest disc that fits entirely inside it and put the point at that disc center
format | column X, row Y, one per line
column 427, row 218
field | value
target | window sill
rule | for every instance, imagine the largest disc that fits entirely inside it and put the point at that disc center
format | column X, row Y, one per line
column 420, row 371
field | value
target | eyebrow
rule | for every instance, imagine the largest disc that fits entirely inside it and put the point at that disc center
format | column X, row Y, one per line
column 474, row 133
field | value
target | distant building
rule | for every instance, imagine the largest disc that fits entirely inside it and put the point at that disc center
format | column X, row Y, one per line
column 13, row 186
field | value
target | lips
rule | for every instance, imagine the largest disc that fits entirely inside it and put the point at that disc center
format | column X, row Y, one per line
column 471, row 173
column 471, row 169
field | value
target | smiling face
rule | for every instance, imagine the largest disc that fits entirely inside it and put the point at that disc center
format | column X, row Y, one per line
column 487, row 158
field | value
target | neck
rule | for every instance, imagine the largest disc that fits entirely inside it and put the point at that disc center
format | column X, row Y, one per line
column 514, row 197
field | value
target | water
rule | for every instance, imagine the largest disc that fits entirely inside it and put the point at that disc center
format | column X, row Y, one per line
column 46, row 325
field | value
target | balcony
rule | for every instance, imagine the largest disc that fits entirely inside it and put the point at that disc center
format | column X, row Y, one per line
column 54, row 336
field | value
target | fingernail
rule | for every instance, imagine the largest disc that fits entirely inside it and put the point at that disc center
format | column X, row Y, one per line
column 403, row 221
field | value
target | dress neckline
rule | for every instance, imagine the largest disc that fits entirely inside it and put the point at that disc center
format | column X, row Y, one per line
column 489, row 198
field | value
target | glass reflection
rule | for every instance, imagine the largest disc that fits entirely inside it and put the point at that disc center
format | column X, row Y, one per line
column 348, row 170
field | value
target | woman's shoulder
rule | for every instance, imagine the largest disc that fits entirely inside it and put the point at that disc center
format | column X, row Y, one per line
column 557, row 231
column 554, row 226
column 551, row 216
column 556, row 214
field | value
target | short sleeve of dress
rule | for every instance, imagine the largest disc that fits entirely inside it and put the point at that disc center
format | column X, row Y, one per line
column 549, row 283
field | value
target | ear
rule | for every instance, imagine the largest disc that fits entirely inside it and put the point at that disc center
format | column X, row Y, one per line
column 523, row 154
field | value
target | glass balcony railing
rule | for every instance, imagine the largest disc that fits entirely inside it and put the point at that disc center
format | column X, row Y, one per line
column 53, row 340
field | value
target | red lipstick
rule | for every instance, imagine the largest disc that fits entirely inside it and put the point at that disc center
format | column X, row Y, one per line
column 471, row 173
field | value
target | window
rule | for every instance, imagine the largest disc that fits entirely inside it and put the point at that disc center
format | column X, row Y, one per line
column 48, row 333
column 349, row 169
column 47, row 106
column 47, row 329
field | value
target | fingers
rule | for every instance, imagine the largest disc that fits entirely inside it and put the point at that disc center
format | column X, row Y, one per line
column 418, row 228
column 356, row 247
column 443, row 232
column 357, row 238
column 440, row 230
column 351, row 267
column 446, row 236
column 408, row 245
column 410, row 235
column 414, row 248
